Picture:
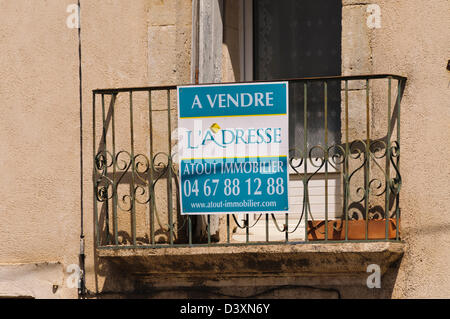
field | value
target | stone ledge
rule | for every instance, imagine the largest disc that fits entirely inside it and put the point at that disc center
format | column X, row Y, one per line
column 312, row 259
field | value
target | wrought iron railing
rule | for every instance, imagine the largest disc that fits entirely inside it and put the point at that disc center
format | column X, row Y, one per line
column 354, row 122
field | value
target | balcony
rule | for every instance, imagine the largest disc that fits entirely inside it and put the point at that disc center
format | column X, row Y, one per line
column 344, row 184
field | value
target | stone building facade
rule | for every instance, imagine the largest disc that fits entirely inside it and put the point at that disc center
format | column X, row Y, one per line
column 46, row 157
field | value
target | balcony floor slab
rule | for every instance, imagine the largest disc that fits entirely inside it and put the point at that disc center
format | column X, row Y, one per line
column 311, row 259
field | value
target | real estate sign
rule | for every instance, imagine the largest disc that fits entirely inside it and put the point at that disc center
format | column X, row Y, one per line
column 233, row 148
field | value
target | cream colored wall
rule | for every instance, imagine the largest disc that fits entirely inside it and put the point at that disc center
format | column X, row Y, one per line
column 149, row 43
column 416, row 45
column 39, row 154
column 413, row 42
column 123, row 45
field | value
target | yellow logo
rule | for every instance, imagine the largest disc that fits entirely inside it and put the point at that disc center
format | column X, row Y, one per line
column 215, row 128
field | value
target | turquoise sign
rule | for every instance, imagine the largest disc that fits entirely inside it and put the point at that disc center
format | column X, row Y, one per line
column 233, row 148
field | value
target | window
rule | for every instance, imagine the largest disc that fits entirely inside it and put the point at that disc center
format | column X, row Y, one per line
column 294, row 39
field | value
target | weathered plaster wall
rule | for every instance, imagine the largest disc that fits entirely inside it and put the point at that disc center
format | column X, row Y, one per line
column 39, row 159
column 37, row 280
column 413, row 42
column 123, row 45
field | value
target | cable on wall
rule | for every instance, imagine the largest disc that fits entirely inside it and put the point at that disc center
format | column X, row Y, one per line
column 82, row 281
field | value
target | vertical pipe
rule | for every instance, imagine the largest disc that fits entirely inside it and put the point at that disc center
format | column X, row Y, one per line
column 133, row 204
column 388, row 156
column 325, row 88
column 169, row 170
column 367, row 161
column 151, row 170
column 82, row 256
column 267, row 227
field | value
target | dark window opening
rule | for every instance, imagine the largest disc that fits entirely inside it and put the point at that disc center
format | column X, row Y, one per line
column 295, row 39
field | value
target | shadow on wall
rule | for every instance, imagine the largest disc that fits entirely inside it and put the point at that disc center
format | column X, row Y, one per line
column 119, row 283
